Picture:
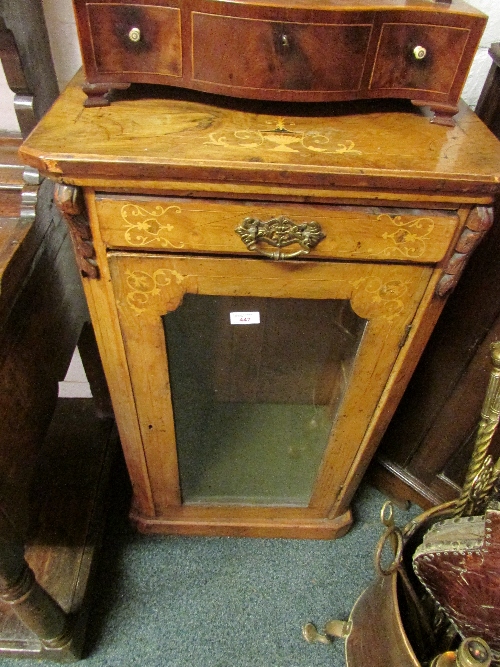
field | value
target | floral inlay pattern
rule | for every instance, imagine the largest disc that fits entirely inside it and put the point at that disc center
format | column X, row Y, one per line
column 146, row 225
column 390, row 295
column 280, row 139
column 410, row 239
column 144, row 285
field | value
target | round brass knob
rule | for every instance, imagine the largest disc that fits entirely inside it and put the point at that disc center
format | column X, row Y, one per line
column 134, row 35
column 419, row 52
column 285, row 42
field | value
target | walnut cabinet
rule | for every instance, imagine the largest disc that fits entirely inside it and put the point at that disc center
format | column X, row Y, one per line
column 261, row 288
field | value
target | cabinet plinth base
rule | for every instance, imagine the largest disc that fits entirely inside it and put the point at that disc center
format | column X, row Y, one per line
column 225, row 526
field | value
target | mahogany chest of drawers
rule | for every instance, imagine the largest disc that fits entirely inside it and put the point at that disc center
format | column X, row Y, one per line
column 261, row 287
column 302, row 51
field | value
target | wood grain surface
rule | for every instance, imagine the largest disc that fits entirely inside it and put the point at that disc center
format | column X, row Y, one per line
column 168, row 178
column 302, row 52
column 364, row 146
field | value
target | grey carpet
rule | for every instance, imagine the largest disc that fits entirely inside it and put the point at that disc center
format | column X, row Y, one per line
column 224, row 602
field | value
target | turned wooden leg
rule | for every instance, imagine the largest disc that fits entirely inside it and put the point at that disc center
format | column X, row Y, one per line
column 97, row 93
column 28, row 600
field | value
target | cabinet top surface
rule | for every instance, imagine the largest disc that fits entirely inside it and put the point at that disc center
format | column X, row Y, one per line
column 455, row 6
column 182, row 135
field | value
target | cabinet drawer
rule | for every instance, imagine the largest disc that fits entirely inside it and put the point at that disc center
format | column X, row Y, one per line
column 282, row 51
column 277, row 55
column 226, row 227
column 418, row 57
column 136, row 39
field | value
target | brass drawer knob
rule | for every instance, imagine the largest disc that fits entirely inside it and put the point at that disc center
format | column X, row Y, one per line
column 419, row 52
column 279, row 232
column 285, row 42
column 134, row 35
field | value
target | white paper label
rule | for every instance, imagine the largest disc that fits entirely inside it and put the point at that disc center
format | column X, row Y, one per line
column 244, row 318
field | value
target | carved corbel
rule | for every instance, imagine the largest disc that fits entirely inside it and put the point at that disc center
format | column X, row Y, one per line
column 69, row 200
column 478, row 223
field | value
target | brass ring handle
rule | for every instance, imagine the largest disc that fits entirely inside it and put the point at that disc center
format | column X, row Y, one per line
column 391, row 533
column 387, row 514
column 279, row 233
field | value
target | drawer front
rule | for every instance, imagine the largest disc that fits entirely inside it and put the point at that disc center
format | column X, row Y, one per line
column 418, row 57
column 249, row 228
column 274, row 50
column 276, row 55
column 136, row 39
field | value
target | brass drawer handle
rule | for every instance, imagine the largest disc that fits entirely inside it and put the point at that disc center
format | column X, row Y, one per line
column 279, row 232
column 134, row 35
column 419, row 52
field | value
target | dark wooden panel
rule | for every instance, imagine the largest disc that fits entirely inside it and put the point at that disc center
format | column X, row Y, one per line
column 278, row 55
column 26, row 20
column 276, row 51
column 488, row 105
column 158, row 45
column 42, row 312
column 397, row 66
column 70, row 479
column 426, row 449
column 36, row 344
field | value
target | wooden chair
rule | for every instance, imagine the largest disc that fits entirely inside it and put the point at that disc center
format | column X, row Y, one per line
column 43, row 316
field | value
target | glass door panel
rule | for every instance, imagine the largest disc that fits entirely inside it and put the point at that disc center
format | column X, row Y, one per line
column 256, row 384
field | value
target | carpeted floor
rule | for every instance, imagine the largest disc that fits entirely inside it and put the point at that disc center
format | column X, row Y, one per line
column 223, row 602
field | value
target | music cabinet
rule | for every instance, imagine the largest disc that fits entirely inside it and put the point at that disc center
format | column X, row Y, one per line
column 262, row 280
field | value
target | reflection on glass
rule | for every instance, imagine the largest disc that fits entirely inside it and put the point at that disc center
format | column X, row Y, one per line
column 254, row 404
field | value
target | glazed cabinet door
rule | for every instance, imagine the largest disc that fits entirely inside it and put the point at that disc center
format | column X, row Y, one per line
column 255, row 381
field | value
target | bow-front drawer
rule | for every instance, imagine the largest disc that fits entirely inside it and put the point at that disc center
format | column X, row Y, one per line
column 276, row 50
column 136, row 39
column 280, row 230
